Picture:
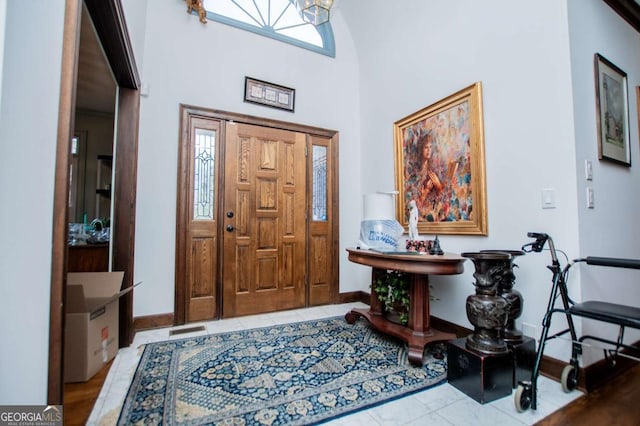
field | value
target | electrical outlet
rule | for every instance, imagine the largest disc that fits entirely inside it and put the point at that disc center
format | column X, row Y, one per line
column 529, row 330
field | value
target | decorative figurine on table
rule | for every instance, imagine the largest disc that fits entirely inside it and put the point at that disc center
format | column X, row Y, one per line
column 413, row 220
column 414, row 244
column 435, row 247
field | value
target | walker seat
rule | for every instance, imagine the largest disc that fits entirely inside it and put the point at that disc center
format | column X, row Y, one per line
column 626, row 316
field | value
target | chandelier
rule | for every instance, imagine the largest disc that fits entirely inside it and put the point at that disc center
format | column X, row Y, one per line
column 315, row 12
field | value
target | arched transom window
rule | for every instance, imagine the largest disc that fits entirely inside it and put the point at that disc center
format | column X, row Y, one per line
column 278, row 19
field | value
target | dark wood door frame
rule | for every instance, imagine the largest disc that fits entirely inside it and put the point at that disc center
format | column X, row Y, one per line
column 628, row 10
column 108, row 19
column 187, row 111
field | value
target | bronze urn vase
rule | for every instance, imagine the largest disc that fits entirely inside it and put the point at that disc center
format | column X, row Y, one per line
column 513, row 297
column 486, row 309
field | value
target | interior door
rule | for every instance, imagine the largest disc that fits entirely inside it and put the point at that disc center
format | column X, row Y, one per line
column 264, row 254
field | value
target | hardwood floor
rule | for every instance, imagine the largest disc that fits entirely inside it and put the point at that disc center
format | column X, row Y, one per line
column 79, row 398
column 615, row 403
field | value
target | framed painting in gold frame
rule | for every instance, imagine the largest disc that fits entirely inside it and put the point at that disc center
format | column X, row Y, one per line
column 439, row 163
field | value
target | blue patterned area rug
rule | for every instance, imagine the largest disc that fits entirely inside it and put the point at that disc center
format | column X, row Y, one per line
column 295, row 374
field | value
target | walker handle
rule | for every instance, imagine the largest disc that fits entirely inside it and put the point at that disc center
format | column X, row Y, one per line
column 538, row 244
column 613, row 261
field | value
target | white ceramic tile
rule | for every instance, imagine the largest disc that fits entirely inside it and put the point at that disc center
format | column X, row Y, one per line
column 288, row 317
column 341, row 310
column 400, row 411
column 431, row 419
column 469, row 412
column 116, row 383
column 223, row 326
column 551, row 391
column 551, row 397
column 149, row 336
column 256, row 321
column 439, row 396
column 363, row 418
column 314, row 313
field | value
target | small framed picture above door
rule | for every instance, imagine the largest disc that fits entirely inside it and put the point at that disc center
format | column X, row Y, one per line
column 269, row 94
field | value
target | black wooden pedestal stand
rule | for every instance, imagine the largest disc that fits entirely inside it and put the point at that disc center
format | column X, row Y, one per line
column 524, row 356
column 483, row 377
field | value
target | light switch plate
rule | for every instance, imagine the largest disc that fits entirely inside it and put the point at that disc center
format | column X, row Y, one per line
column 549, row 198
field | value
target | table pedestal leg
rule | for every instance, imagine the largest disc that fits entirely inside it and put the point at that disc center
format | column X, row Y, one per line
column 417, row 334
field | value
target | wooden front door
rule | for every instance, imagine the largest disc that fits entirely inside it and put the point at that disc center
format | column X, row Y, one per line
column 257, row 222
column 264, row 241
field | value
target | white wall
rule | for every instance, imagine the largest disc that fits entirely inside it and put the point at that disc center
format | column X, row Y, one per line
column 205, row 65
column 520, row 53
column 28, row 132
column 609, row 229
column 3, row 16
column 414, row 53
column 135, row 12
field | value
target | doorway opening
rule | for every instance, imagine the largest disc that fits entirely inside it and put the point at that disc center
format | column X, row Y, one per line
column 108, row 20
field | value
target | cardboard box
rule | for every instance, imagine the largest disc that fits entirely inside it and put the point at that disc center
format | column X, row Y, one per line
column 91, row 328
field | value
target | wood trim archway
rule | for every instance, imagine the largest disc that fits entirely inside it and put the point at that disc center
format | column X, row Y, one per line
column 108, row 19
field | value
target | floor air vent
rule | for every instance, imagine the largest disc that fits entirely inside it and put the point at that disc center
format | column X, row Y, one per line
column 186, row 330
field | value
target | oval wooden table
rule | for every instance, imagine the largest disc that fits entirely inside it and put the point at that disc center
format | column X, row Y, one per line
column 417, row 333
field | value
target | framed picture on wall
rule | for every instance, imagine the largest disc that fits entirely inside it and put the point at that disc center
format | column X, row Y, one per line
column 638, row 106
column 269, row 94
column 439, row 164
column 612, row 109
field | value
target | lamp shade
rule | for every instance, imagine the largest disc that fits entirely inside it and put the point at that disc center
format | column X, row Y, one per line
column 315, row 12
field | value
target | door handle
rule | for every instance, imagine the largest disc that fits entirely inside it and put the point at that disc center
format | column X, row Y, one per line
column 230, row 228
column 229, row 214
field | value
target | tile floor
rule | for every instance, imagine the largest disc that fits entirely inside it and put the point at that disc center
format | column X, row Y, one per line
column 442, row 405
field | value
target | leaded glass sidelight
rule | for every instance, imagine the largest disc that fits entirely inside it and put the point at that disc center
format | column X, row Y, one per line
column 319, row 183
column 204, row 174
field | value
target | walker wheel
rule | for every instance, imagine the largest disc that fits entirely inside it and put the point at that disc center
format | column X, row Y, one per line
column 569, row 378
column 522, row 398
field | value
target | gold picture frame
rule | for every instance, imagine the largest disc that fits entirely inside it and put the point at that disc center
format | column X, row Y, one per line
column 439, row 163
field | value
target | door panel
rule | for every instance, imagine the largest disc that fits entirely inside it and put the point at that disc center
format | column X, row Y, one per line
column 321, row 255
column 265, row 231
column 202, row 188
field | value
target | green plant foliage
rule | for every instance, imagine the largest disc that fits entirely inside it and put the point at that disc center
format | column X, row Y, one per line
column 392, row 289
